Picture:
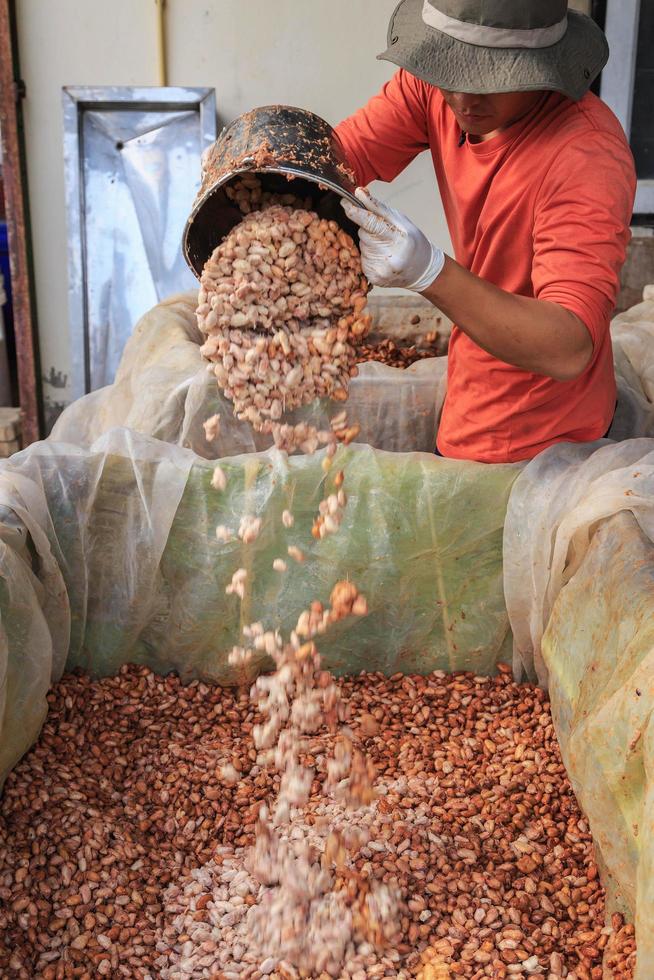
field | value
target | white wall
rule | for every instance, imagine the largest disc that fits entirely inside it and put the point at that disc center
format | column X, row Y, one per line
column 319, row 54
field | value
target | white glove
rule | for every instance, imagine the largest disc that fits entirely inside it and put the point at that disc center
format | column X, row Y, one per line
column 393, row 251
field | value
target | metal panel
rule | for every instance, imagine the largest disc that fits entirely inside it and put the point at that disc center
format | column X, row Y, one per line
column 622, row 18
column 132, row 158
column 644, row 197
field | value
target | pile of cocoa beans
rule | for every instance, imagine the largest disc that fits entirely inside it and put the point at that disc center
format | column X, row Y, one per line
column 394, row 355
column 135, row 811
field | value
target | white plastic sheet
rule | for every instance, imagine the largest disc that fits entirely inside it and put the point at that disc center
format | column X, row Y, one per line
column 162, row 389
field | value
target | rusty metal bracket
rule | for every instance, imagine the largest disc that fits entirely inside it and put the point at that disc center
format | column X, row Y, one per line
column 12, row 91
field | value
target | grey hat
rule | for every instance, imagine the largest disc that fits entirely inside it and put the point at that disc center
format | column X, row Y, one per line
column 486, row 46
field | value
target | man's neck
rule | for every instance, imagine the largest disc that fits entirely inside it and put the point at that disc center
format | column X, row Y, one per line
column 512, row 122
column 485, row 137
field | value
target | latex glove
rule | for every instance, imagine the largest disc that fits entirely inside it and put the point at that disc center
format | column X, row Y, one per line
column 394, row 252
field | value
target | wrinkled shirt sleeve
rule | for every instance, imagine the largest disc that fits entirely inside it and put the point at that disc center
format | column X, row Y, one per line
column 581, row 230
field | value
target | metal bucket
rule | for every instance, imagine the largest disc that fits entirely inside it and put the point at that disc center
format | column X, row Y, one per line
column 280, row 144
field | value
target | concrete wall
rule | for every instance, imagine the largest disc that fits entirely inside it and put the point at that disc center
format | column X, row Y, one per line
column 320, row 55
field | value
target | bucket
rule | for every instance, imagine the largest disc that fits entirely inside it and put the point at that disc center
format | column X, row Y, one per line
column 280, row 144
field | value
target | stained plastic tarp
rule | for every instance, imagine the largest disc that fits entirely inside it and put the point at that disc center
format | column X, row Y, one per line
column 162, row 389
column 556, row 505
column 113, row 559
column 579, row 585
column 599, row 652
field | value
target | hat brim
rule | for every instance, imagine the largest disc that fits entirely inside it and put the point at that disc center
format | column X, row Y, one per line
column 569, row 66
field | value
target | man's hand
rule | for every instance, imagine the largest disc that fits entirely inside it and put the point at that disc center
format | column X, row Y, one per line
column 393, row 251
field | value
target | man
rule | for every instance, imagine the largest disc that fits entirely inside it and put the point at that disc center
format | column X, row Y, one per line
column 538, row 183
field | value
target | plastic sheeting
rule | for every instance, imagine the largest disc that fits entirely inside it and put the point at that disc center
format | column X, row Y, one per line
column 632, row 333
column 162, row 389
column 555, row 508
column 599, row 652
column 112, row 558
column 579, row 586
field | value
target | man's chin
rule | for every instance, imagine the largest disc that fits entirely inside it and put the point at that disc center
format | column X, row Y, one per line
column 477, row 129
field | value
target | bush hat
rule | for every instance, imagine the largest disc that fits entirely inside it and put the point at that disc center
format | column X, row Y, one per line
column 487, row 46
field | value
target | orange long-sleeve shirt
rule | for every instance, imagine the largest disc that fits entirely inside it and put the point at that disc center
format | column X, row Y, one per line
column 541, row 210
